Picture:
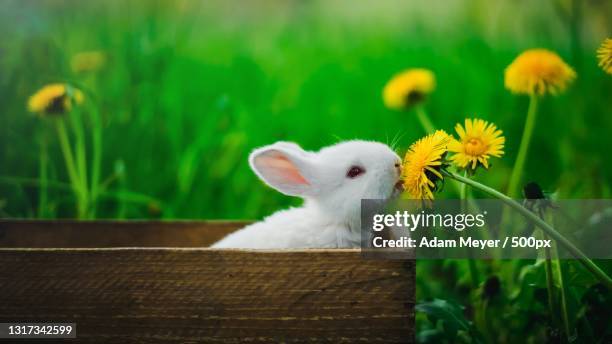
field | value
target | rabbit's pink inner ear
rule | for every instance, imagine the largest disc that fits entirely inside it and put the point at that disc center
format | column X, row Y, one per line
column 283, row 168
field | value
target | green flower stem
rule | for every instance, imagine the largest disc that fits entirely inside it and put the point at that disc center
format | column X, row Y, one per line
column 96, row 159
column 67, row 153
column 557, row 272
column 564, row 307
column 519, row 165
column 471, row 264
column 75, row 181
column 424, row 119
column 554, row 276
column 549, row 230
column 552, row 307
column 43, row 177
column 81, row 155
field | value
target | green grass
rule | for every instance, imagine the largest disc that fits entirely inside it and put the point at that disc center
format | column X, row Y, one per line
column 192, row 86
column 190, row 89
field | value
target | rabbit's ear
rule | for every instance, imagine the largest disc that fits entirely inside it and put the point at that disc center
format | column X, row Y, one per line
column 284, row 166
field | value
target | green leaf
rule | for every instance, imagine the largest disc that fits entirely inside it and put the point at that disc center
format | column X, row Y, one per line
column 450, row 314
column 430, row 336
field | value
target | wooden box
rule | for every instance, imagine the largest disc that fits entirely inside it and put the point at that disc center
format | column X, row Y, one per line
column 141, row 281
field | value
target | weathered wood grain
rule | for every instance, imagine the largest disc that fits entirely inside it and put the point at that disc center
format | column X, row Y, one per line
column 111, row 233
column 207, row 296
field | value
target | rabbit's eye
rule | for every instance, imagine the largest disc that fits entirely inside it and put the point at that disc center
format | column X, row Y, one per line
column 354, row 172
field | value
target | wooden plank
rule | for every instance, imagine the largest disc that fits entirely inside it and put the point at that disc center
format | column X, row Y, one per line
column 205, row 295
column 110, row 233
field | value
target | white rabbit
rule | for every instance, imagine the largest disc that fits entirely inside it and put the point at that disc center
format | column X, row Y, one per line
column 332, row 183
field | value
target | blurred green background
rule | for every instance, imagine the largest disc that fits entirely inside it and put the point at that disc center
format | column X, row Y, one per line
column 190, row 87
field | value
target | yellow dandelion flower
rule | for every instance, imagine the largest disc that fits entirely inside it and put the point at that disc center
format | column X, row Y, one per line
column 422, row 164
column 478, row 141
column 408, row 88
column 54, row 99
column 87, row 61
column 604, row 53
column 538, row 72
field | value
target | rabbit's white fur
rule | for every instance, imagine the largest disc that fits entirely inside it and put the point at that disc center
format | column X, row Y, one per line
column 330, row 215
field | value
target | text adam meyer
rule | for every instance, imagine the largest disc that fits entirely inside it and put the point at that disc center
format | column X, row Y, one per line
column 407, row 242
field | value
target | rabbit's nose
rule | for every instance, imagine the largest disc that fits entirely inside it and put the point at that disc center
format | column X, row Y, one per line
column 399, row 186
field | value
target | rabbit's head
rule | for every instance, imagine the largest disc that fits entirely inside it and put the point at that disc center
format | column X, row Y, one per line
column 336, row 178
